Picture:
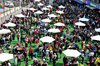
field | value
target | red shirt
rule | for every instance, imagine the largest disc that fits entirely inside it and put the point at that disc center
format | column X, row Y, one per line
column 56, row 46
column 25, row 19
column 23, row 49
column 89, row 46
column 37, row 41
column 59, row 43
column 62, row 21
column 60, row 29
column 30, row 49
column 36, row 32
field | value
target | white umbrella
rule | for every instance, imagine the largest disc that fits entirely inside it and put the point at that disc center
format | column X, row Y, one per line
column 97, row 38
column 44, row 8
column 46, row 20
column 39, row 12
column 5, row 57
column 72, row 53
column 59, row 24
column 4, row 31
column 83, row 19
column 49, row 6
column 97, row 30
column 10, row 24
column 47, row 39
column 80, row 24
column 40, row 4
column 61, row 6
column 31, row 9
column 60, row 12
column 20, row 15
column 54, row 30
column 52, row 15
column 37, row 0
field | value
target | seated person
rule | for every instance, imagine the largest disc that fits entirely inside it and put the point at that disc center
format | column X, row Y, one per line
column 35, row 59
column 7, row 47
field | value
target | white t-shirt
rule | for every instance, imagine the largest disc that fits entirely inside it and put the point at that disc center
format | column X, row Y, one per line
column 35, row 59
column 47, row 51
column 40, row 49
column 87, row 51
column 92, row 54
column 4, row 38
column 9, row 64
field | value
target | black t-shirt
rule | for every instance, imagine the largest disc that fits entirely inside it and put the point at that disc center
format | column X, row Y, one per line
column 44, row 64
column 65, row 60
column 43, row 53
column 54, row 60
column 60, row 51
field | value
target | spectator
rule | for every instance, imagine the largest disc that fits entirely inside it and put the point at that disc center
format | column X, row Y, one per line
column 31, row 53
column 47, row 53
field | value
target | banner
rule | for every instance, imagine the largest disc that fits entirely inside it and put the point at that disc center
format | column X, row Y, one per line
column 98, row 6
column 81, row 0
column 93, row 4
column 87, row 2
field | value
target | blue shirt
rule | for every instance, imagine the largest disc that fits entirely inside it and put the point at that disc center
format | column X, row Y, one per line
column 59, row 1
column 36, row 54
column 94, row 51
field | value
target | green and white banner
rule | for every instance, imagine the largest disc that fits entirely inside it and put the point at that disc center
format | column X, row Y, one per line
column 81, row 0
column 93, row 4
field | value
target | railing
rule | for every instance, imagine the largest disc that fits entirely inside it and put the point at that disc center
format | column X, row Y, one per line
column 6, row 15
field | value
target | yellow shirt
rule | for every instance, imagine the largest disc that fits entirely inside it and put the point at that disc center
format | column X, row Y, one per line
column 50, row 48
column 81, row 65
column 83, row 47
column 87, row 65
column 56, row 35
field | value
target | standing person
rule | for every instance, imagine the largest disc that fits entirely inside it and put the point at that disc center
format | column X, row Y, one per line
column 19, row 59
column 60, row 2
column 36, row 54
column 37, row 42
column 47, row 53
column 25, row 54
column 26, row 42
column 87, row 52
column 50, row 55
column 10, row 39
column 13, row 35
column 82, row 55
column 26, row 61
column 95, row 52
column 4, row 40
column 21, row 39
column 43, row 54
column 60, row 51
column 54, row 61
column 18, row 37
column 91, row 56
column 15, row 60
column 40, row 50
column 31, row 53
